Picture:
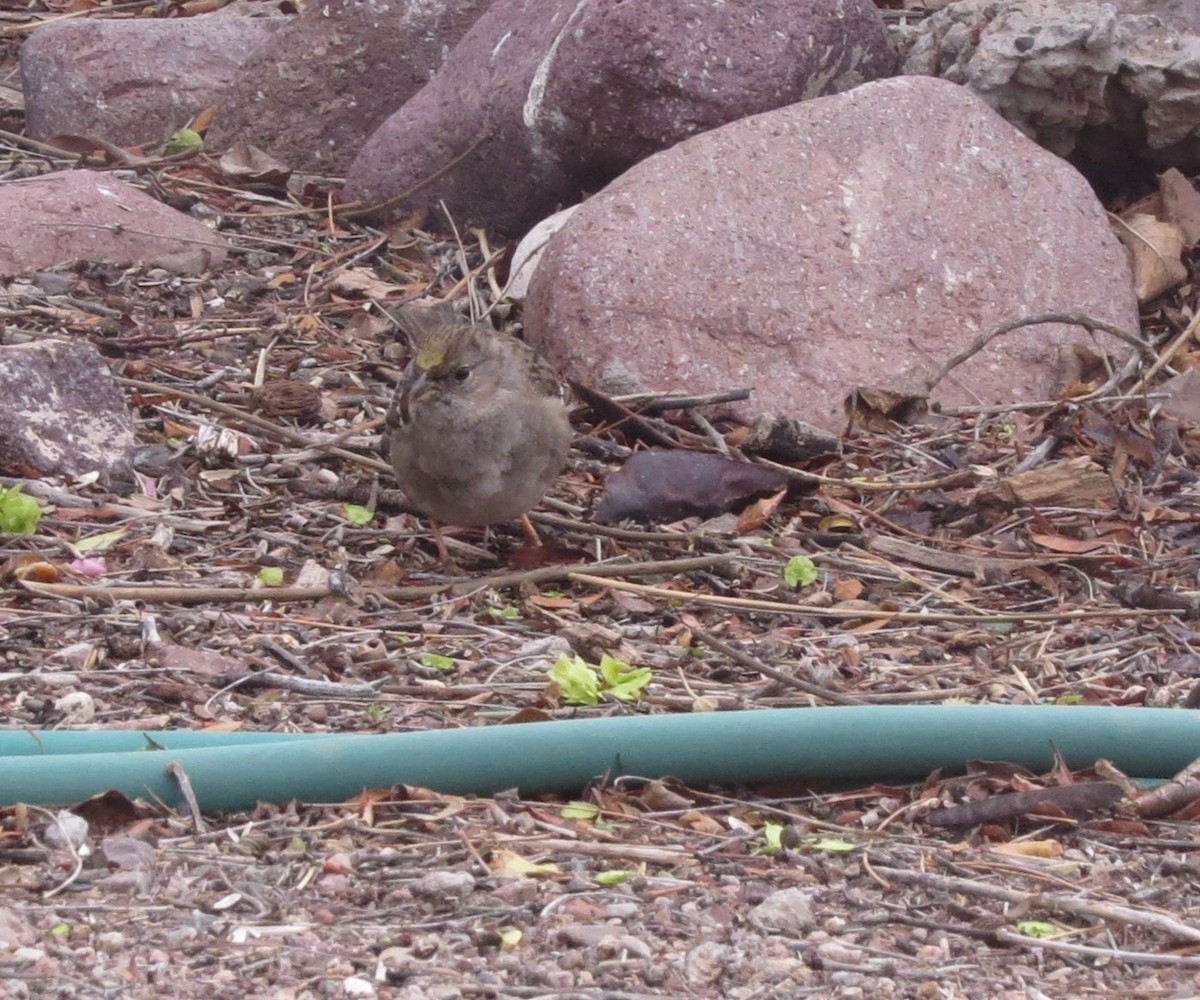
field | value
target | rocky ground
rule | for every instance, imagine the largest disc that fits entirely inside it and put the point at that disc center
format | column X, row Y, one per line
column 258, row 391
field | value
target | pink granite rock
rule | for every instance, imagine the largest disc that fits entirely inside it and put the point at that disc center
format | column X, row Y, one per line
column 132, row 81
column 320, row 86
column 82, row 215
column 543, row 99
column 858, row 240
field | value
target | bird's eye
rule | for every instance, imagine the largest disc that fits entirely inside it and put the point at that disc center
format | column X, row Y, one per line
column 461, row 374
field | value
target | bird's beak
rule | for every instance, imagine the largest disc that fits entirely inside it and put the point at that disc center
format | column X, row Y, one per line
column 422, row 389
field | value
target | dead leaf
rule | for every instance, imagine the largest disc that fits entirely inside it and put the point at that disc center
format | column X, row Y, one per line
column 505, row 862
column 848, row 590
column 107, row 811
column 1181, row 204
column 553, row 603
column 547, row 554
column 1074, row 546
column 207, row 662
column 80, row 145
column 662, row 486
column 203, row 119
column 878, row 408
column 361, row 281
column 1156, row 251
column 757, row 514
column 249, row 163
column 1183, row 397
column 659, row 796
column 526, row 715
column 1030, row 849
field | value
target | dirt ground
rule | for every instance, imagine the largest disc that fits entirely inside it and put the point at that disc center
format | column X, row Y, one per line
column 637, row 888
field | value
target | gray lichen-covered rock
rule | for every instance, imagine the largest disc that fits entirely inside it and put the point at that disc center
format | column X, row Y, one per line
column 61, row 411
column 1110, row 84
column 545, row 99
column 857, row 240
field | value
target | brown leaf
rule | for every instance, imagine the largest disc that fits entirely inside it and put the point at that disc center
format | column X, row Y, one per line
column 848, row 590
column 548, row 554
column 1073, row 546
column 249, row 163
column 659, row 796
column 1181, row 204
column 658, row 486
column 878, row 408
column 203, row 119
column 1156, row 249
column 1183, row 397
column 1031, row 849
column 526, row 715
column 108, row 810
column 208, row 662
column 81, row 145
column 756, row 515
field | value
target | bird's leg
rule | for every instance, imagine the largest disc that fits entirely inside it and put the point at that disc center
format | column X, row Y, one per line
column 444, row 557
column 531, row 535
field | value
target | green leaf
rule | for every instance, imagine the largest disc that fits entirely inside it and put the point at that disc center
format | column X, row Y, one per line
column 270, row 576
column 623, row 682
column 613, row 877
column 799, row 571
column 508, row 613
column 19, row 514
column 580, row 810
column 438, row 661
column 357, row 514
column 1037, row 929
column 577, row 681
column 773, row 836
column 182, row 140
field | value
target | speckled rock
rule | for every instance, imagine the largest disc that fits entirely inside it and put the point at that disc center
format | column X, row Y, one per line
column 61, row 411
column 857, row 240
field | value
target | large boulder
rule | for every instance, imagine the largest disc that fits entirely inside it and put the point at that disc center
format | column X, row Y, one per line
column 321, row 85
column 132, row 82
column 545, row 99
column 858, row 240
